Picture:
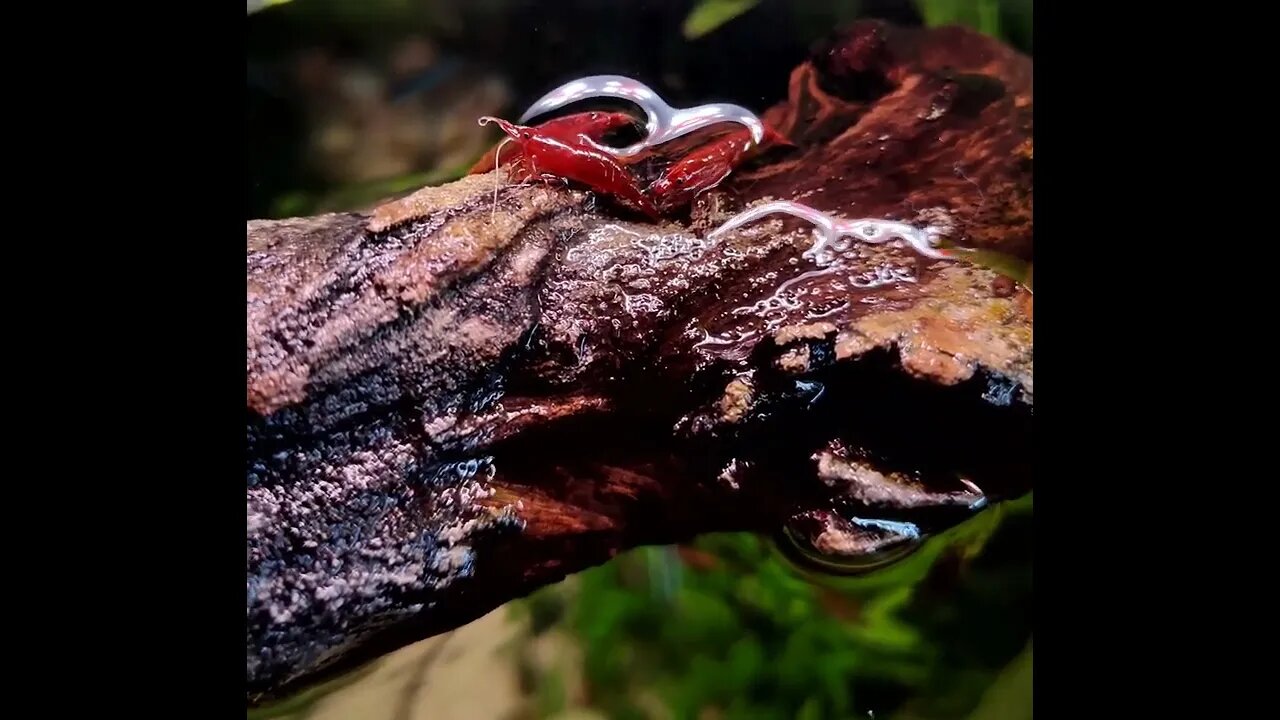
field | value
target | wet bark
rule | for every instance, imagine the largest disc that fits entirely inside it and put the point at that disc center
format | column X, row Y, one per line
column 468, row 393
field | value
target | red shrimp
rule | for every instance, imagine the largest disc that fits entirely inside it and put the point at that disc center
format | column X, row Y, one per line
column 594, row 125
column 555, row 159
column 706, row 167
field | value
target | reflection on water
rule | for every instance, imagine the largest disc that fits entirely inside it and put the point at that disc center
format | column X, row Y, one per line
column 729, row 628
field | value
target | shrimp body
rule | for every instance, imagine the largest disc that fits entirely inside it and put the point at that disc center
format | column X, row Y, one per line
column 594, row 125
column 569, row 148
column 551, row 158
column 706, row 167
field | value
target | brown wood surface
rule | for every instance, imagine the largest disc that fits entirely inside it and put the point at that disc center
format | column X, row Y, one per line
column 468, row 393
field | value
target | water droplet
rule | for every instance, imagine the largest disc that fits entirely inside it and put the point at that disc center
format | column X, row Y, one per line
column 799, row 550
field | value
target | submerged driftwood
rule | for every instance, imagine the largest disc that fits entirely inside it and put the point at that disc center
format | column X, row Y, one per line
column 472, row 391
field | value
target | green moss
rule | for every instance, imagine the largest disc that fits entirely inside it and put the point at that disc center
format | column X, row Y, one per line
column 707, row 15
column 756, row 637
column 355, row 197
column 1007, row 20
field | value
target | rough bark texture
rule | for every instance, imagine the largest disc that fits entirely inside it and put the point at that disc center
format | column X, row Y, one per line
column 470, row 392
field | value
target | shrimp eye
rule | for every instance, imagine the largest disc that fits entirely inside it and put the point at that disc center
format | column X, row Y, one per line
column 525, row 135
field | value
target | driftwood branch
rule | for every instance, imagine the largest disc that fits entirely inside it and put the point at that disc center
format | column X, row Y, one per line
column 470, row 392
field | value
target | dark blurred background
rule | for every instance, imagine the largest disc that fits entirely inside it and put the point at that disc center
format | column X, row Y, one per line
column 351, row 101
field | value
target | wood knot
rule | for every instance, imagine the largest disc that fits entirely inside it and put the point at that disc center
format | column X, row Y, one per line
column 1003, row 286
column 854, row 65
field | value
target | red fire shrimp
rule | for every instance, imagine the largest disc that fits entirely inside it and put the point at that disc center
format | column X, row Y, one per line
column 550, row 158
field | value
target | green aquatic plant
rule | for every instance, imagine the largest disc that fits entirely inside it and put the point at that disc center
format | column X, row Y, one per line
column 737, row 630
column 1011, row 266
column 708, row 15
column 981, row 15
column 1009, row 697
column 359, row 195
column 256, row 5
column 1008, row 20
